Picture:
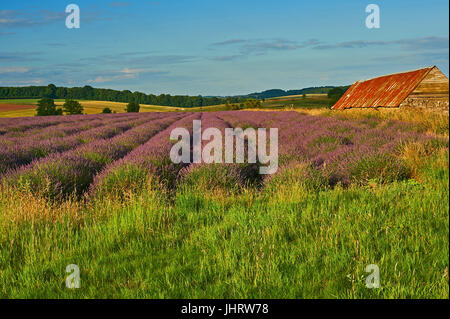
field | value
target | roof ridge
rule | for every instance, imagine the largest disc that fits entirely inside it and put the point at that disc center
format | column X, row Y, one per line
column 397, row 73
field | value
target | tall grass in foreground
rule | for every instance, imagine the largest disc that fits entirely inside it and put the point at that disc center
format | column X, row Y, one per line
column 287, row 241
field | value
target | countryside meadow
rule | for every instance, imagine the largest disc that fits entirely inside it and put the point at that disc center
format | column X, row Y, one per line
column 125, row 174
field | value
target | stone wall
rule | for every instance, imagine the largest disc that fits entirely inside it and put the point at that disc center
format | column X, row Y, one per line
column 437, row 103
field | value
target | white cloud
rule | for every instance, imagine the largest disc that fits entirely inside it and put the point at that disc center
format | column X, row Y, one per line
column 125, row 73
column 22, row 82
column 14, row 69
column 132, row 71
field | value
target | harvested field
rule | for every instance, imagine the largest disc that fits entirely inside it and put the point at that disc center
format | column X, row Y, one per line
column 15, row 107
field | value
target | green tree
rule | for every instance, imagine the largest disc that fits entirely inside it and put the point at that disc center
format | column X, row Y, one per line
column 335, row 94
column 106, row 110
column 72, row 107
column 50, row 91
column 337, row 91
column 46, row 107
column 252, row 103
column 133, row 107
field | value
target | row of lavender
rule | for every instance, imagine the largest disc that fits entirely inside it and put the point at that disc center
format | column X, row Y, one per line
column 8, row 125
column 55, row 128
column 221, row 175
column 60, row 130
column 17, row 151
column 333, row 150
column 64, row 173
column 149, row 163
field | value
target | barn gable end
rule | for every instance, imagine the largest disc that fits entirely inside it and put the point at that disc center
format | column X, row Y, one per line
column 432, row 92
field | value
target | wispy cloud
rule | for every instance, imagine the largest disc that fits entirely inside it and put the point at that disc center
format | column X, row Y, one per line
column 19, row 56
column 124, row 74
column 228, row 42
column 409, row 44
column 138, row 59
column 34, row 18
column 22, row 75
column 425, row 43
column 228, row 57
column 16, row 18
column 429, row 56
column 261, row 46
column 26, row 82
column 14, row 69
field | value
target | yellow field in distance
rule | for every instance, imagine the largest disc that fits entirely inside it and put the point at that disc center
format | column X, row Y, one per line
column 90, row 107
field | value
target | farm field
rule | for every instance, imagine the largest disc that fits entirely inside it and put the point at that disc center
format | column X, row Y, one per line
column 101, row 192
column 309, row 101
column 26, row 107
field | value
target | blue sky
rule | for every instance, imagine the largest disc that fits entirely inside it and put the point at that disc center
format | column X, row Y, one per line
column 211, row 47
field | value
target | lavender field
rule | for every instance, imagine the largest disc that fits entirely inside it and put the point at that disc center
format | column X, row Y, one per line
column 66, row 155
column 101, row 191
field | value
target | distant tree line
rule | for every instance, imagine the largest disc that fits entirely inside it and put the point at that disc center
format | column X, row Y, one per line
column 89, row 93
column 310, row 90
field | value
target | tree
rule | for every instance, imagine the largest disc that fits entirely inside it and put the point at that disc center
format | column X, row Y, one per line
column 337, row 91
column 50, row 91
column 252, row 103
column 335, row 94
column 72, row 107
column 106, row 110
column 133, row 107
column 46, row 107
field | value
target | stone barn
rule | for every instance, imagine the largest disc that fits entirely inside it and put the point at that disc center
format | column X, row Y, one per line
column 424, row 88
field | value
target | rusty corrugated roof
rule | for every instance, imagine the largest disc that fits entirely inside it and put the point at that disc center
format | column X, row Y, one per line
column 387, row 91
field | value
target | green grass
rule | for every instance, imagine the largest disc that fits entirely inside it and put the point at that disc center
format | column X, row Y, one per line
column 285, row 241
column 311, row 101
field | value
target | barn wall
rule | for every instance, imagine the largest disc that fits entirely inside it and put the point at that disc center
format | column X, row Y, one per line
column 428, row 102
column 431, row 93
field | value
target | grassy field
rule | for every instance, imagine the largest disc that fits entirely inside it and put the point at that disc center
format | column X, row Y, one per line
column 301, row 245
column 310, row 101
column 286, row 240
